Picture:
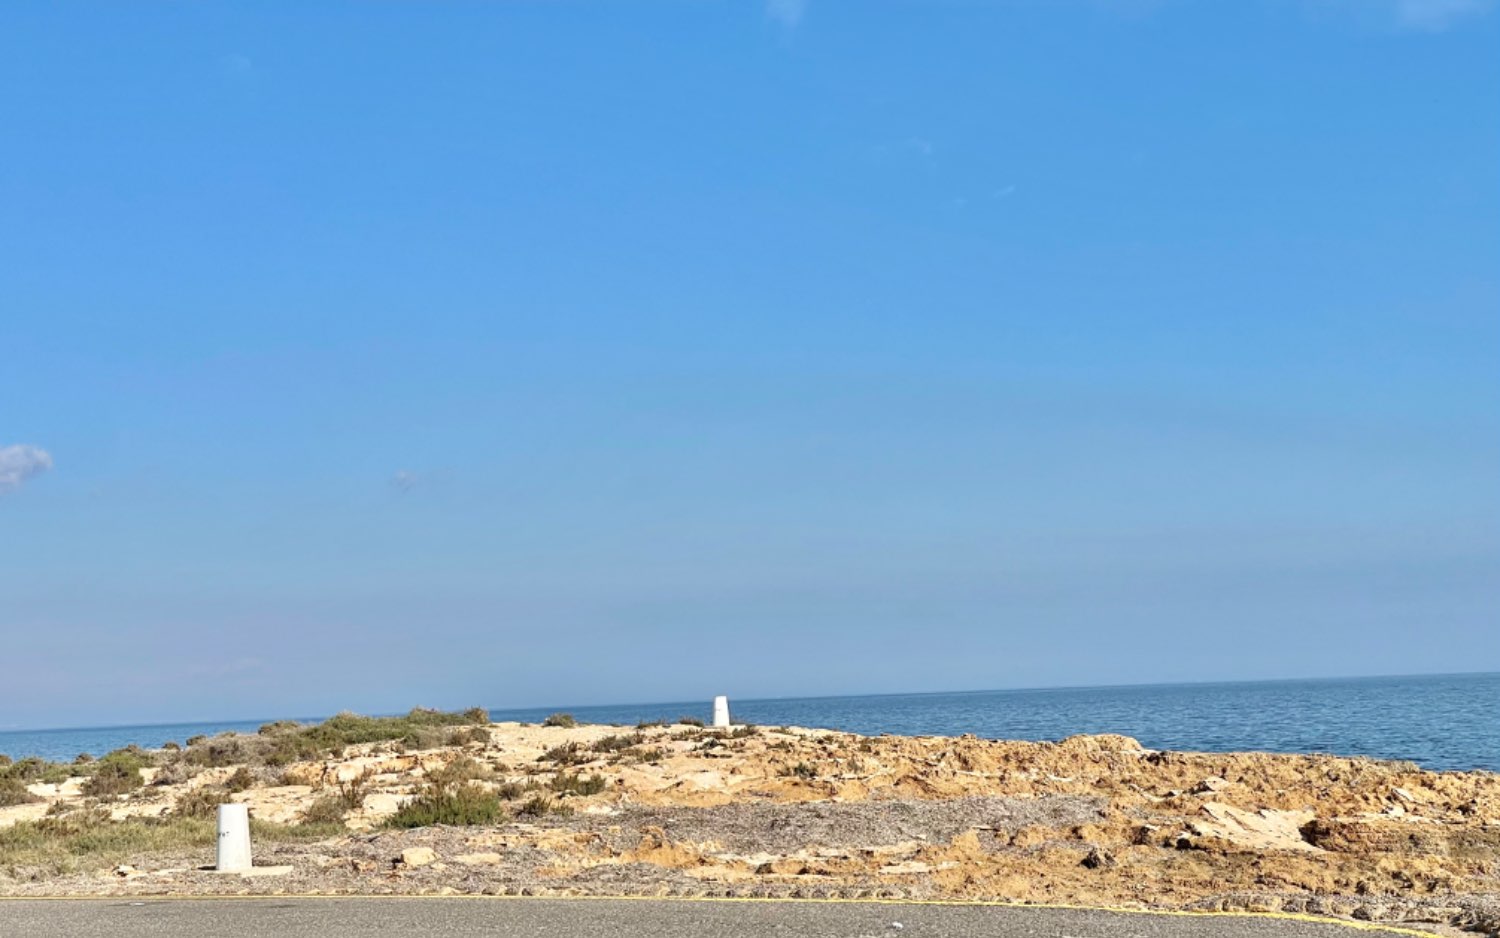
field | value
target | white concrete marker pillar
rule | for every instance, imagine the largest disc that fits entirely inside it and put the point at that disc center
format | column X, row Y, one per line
column 234, row 838
column 721, row 712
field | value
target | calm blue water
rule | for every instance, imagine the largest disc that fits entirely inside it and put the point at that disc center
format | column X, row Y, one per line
column 1441, row 722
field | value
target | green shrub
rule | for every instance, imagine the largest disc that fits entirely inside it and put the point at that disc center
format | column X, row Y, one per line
column 33, row 769
column 351, row 792
column 467, row 735
column 510, row 791
column 800, row 770
column 540, row 805
column 325, row 811
column 13, row 792
column 284, row 742
column 113, row 775
column 467, row 804
column 618, row 743
column 460, row 770
column 201, row 802
column 88, row 839
column 242, row 780
column 577, row 784
column 561, row 719
column 566, row 754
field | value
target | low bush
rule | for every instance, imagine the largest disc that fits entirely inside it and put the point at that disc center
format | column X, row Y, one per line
column 13, row 792
column 560, row 719
column 111, row 778
column 577, row 784
column 88, row 839
column 325, row 811
column 510, row 791
column 618, row 743
column 467, row 736
column 540, row 805
column 351, row 792
column 33, row 769
column 689, row 721
column 800, row 770
column 462, row 805
column 201, row 802
column 460, row 770
column 566, row 754
column 284, row 742
column 85, row 839
column 242, row 780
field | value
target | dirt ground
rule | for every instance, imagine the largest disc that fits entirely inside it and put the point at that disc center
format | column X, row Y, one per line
column 802, row 813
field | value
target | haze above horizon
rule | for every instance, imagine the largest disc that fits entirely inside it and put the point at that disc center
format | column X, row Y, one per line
column 353, row 354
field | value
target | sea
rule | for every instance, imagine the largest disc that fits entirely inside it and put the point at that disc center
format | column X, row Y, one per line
column 1441, row 722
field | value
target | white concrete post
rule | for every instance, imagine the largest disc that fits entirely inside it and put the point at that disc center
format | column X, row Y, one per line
column 234, row 838
column 721, row 712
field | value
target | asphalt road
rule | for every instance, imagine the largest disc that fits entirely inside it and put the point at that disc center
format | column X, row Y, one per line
column 610, row 918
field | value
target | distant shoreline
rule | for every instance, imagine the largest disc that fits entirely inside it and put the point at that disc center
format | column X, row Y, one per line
column 1438, row 722
column 550, row 708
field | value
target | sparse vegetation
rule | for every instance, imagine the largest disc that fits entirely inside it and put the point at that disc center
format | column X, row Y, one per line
column 564, row 720
column 577, row 784
column 800, row 770
column 84, row 839
column 13, row 792
column 201, row 802
column 326, row 810
column 113, row 776
column 468, row 735
column 284, row 742
column 466, row 804
column 511, row 791
column 243, row 779
column 617, row 743
column 689, row 721
column 31, row 770
column 351, row 792
column 540, row 805
column 566, row 754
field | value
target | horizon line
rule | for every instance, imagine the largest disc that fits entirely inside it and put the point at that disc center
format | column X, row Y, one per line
column 884, row 694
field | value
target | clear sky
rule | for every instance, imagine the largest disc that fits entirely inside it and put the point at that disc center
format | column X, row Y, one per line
column 371, row 354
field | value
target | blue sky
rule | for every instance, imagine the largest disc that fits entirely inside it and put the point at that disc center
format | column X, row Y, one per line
column 515, row 353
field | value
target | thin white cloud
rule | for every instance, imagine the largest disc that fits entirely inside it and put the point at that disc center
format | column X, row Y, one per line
column 405, row 480
column 20, row 462
column 788, row 13
column 1438, row 15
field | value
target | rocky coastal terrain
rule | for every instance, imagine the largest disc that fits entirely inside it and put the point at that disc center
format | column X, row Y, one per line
column 442, row 803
